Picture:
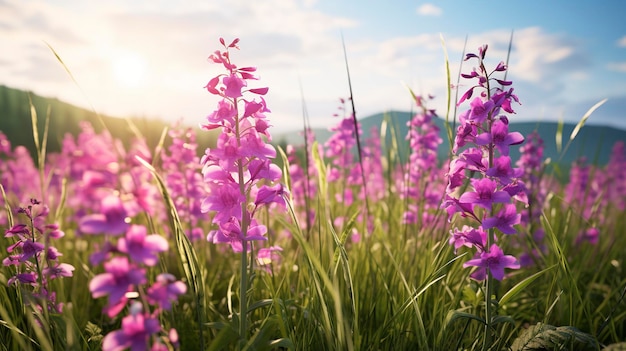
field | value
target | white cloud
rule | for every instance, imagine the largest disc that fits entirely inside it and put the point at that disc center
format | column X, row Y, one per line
column 617, row 66
column 282, row 38
column 429, row 10
column 541, row 56
column 288, row 40
column 536, row 56
column 621, row 42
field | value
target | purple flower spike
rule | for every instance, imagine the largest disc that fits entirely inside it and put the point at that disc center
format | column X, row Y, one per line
column 239, row 167
column 142, row 248
column 484, row 129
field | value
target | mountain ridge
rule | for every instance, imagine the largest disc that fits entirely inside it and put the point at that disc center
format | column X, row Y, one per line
column 602, row 138
column 15, row 122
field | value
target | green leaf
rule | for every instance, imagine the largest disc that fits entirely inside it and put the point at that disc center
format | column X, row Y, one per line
column 260, row 304
column 502, row 319
column 509, row 295
column 456, row 314
column 471, row 296
column 226, row 337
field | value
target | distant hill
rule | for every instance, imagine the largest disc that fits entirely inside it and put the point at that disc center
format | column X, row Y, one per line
column 593, row 142
column 15, row 121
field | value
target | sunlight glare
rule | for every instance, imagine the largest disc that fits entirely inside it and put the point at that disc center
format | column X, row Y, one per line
column 129, row 70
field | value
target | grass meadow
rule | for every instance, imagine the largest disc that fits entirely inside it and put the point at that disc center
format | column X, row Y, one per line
column 336, row 246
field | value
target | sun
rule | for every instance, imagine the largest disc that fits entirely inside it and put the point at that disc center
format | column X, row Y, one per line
column 129, row 69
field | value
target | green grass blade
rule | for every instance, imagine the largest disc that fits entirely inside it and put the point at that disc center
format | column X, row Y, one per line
column 449, row 131
column 33, row 120
column 519, row 287
column 565, row 266
column 579, row 126
column 7, row 207
column 558, row 137
column 456, row 315
column 586, row 116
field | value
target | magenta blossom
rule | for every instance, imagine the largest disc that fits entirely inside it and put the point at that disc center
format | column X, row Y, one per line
column 230, row 232
column 504, row 220
column 502, row 170
column 479, row 111
column 225, row 199
column 268, row 255
column 494, row 260
column 272, row 194
column 590, row 235
column 165, row 290
column 120, row 277
column 59, row 270
column 485, row 194
column 468, row 236
column 135, row 333
column 113, row 219
column 452, row 206
column 142, row 248
column 30, row 249
column 23, row 278
column 500, row 137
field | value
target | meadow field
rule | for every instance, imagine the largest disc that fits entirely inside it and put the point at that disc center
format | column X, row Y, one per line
column 111, row 244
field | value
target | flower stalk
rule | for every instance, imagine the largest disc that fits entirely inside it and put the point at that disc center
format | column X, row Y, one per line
column 238, row 171
column 482, row 148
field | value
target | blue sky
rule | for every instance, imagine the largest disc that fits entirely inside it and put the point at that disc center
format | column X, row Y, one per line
column 148, row 58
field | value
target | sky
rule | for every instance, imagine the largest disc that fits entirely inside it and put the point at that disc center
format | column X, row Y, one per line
column 148, row 58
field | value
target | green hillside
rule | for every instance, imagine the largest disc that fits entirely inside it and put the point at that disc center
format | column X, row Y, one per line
column 593, row 142
column 15, row 121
